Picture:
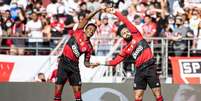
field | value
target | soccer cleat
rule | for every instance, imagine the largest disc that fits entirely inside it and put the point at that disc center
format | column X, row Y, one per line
column 57, row 99
column 78, row 100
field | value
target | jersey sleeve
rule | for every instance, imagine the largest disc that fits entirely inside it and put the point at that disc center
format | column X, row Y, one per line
column 120, row 57
column 88, row 54
column 125, row 52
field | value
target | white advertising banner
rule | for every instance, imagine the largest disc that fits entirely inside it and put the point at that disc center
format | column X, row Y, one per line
column 26, row 69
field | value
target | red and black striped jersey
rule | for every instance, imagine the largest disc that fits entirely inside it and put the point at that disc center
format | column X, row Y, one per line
column 138, row 47
column 77, row 45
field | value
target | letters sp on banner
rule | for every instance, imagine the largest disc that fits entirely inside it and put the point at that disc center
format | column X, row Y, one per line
column 186, row 70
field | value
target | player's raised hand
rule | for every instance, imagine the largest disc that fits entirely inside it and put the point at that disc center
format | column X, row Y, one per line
column 103, row 8
column 110, row 10
column 94, row 65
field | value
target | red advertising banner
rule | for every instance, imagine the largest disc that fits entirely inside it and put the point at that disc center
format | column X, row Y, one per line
column 186, row 70
column 5, row 71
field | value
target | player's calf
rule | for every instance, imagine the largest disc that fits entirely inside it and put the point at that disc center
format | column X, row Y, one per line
column 77, row 96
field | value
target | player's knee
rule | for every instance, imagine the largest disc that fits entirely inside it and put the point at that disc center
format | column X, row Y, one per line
column 138, row 96
column 157, row 92
column 160, row 98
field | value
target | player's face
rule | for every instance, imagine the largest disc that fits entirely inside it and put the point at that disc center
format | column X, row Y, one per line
column 89, row 31
column 125, row 33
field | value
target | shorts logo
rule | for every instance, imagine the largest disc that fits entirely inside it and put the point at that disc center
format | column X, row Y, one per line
column 134, row 85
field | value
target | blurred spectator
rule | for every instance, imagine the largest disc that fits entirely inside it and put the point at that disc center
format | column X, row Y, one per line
column 6, row 1
column 19, row 31
column 171, row 23
column 1, row 31
column 84, row 9
column 38, row 7
column 14, row 10
column 93, row 5
column 131, row 13
column 192, row 3
column 3, row 6
column 80, row 17
column 57, row 28
column 194, row 21
column 185, row 19
column 69, row 23
column 22, row 3
column 142, row 8
column 177, row 7
column 46, row 31
column 71, row 6
column 181, row 31
column 124, row 4
column 7, row 25
column 137, row 22
column 52, row 8
column 106, row 36
column 40, row 77
column 34, row 31
column 197, row 43
column 149, row 28
column 61, row 7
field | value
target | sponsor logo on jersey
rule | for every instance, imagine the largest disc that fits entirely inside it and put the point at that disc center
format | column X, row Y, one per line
column 137, row 51
column 75, row 50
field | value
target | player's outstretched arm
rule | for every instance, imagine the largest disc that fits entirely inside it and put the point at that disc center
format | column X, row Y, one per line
column 122, row 18
column 113, row 62
column 91, row 65
column 83, row 23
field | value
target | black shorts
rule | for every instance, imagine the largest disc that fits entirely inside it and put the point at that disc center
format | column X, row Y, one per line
column 146, row 76
column 68, row 70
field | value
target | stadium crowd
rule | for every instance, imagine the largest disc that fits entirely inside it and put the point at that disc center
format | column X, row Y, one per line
column 30, row 24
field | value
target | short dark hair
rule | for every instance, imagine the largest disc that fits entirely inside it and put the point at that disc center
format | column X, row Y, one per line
column 91, row 24
column 119, row 29
column 81, row 15
column 40, row 74
column 83, row 3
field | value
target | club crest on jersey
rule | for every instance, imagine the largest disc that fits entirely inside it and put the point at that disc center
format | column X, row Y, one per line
column 133, row 41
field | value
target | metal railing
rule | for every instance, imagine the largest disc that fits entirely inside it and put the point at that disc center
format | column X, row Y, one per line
column 160, row 46
column 33, row 49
